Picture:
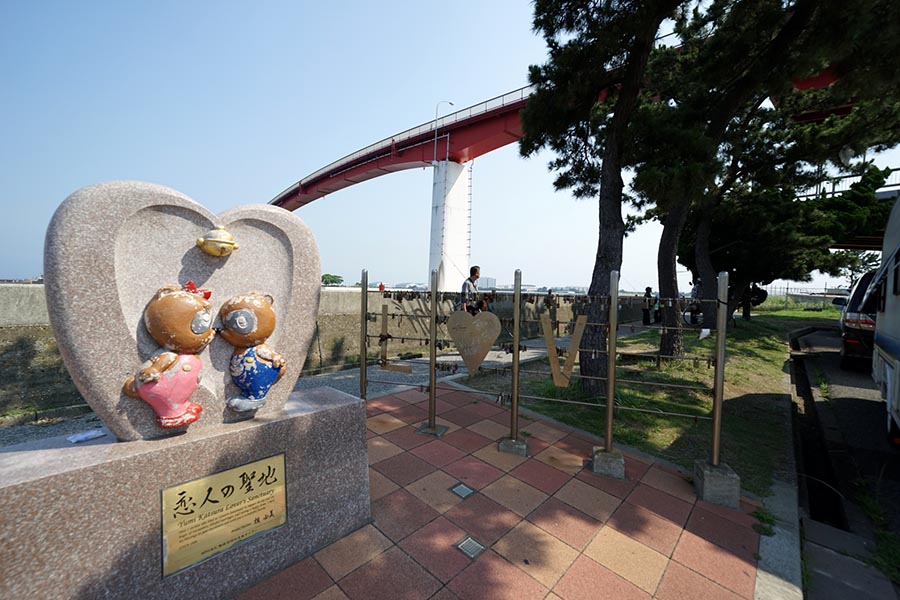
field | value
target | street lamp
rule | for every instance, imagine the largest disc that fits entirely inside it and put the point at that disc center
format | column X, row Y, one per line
column 436, row 106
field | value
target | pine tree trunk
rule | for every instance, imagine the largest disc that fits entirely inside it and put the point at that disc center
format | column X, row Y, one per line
column 672, row 340
column 706, row 270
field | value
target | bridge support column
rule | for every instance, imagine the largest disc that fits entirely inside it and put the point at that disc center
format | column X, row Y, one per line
column 450, row 226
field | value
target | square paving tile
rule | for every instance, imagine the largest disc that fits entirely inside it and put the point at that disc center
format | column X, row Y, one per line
column 379, row 485
column 351, row 551
column 473, row 472
column 679, row 582
column 407, row 438
column 332, row 593
column 502, row 460
column 743, row 517
column 383, row 423
column 620, row 488
column 715, row 563
column 370, row 434
column 433, row 548
column 536, row 445
column 635, row 469
column 492, row 578
column 410, row 414
column 380, row 449
column 438, row 453
column 486, row 408
column 456, row 397
column 387, row 403
column 515, row 494
column 540, row 475
column 586, row 578
column 412, row 396
column 536, row 552
column 545, row 432
column 371, row 411
column 462, row 416
column 670, row 483
column 434, row 490
column 566, row 523
column 301, row 581
column 404, row 468
column 628, row 558
column 451, row 427
column 390, row 576
column 595, row 503
column 466, row 440
column 577, row 445
column 440, row 406
column 445, row 594
column 562, row 460
column 483, row 518
column 663, row 504
column 743, row 542
column 400, row 513
column 489, row 429
column 646, row 527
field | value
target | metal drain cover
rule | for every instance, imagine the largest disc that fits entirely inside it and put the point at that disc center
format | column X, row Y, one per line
column 470, row 547
column 462, row 490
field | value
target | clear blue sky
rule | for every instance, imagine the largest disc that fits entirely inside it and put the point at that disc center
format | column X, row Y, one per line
column 231, row 102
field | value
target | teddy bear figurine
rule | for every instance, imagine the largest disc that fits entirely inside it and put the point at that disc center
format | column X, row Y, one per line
column 247, row 322
column 179, row 319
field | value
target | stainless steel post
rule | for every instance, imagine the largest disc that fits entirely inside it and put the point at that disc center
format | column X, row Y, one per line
column 612, row 327
column 514, row 402
column 719, row 378
column 363, row 330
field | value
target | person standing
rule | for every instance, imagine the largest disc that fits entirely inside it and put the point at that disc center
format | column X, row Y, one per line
column 470, row 291
column 648, row 304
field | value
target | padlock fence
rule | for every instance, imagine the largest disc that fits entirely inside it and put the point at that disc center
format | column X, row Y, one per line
column 399, row 326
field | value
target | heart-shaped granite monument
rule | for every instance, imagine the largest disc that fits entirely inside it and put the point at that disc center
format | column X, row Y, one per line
column 473, row 336
column 111, row 247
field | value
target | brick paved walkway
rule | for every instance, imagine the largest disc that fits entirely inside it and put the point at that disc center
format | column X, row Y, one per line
column 552, row 528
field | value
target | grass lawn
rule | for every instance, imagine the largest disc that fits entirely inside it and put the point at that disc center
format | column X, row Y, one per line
column 756, row 412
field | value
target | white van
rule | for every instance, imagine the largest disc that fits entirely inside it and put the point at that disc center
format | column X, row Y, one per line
column 885, row 287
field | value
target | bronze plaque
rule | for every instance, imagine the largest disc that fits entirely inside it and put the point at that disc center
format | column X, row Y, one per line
column 204, row 517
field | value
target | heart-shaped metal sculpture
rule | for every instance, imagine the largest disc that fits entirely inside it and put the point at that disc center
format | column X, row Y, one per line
column 110, row 247
column 473, row 336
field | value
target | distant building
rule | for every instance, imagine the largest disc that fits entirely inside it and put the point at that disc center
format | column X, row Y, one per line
column 487, row 283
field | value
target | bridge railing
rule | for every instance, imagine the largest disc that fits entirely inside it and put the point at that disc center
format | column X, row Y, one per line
column 429, row 127
column 837, row 185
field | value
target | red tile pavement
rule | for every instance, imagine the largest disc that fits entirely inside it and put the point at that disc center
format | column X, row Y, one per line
column 301, row 581
column 492, row 578
column 400, row 513
column 646, row 527
column 407, row 438
column 404, row 468
column 473, row 472
column 440, row 406
column 482, row 518
column 467, row 441
column 392, row 575
column 587, row 579
column 666, row 506
column 680, row 583
column 740, row 541
column 716, row 563
column 438, row 453
column 566, row 523
column 541, row 476
column 434, row 548
column 708, row 552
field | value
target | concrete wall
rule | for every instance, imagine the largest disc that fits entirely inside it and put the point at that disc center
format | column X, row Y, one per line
column 22, row 304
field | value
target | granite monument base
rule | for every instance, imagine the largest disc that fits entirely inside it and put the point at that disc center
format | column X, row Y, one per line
column 83, row 521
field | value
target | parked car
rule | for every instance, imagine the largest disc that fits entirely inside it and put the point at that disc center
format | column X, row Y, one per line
column 857, row 324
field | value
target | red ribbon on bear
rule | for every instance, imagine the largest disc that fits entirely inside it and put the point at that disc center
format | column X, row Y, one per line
column 192, row 288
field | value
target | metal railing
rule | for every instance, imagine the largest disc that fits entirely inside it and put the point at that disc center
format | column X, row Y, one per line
column 612, row 358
